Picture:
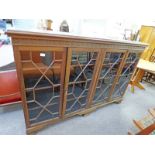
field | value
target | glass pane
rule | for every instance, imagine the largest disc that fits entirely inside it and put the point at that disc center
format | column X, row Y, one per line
column 108, row 73
column 42, row 74
column 81, row 73
column 126, row 74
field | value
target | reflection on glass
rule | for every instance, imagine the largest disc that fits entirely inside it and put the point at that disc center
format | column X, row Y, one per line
column 108, row 73
column 42, row 72
column 81, row 72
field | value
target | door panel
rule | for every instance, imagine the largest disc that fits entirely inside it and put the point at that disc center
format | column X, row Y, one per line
column 125, row 75
column 43, row 73
column 108, row 73
column 81, row 72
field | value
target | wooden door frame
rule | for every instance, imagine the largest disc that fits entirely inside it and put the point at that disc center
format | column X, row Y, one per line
column 125, row 56
column 17, row 55
column 68, row 64
column 102, row 57
column 95, row 78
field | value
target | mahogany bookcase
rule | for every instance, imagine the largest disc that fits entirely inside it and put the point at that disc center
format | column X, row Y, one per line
column 62, row 75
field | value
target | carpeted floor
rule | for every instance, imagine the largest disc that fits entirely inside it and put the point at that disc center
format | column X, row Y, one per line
column 114, row 119
column 10, row 66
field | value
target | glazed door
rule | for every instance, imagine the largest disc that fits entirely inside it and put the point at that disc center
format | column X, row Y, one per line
column 43, row 71
column 125, row 75
column 81, row 67
column 109, row 69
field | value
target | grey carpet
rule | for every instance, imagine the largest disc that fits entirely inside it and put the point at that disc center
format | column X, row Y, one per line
column 10, row 66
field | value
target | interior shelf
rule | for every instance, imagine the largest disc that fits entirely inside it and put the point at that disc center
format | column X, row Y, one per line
column 28, row 66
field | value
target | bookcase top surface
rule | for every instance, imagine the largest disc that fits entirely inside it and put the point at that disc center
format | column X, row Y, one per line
column 65, row 35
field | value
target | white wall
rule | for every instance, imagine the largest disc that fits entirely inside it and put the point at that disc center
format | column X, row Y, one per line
column 108, row 27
